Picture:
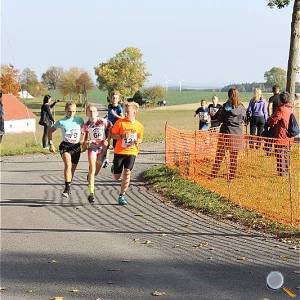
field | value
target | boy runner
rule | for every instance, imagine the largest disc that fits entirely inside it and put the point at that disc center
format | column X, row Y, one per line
column 129, row 134
column 202, row 113
column 115, row 112
column 95, row 133
column 69, row 148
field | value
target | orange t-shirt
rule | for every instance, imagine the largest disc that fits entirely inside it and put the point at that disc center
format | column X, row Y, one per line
column 134, row 131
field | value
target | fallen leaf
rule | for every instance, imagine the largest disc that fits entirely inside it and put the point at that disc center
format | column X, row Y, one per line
column 110, row 282
column 200, row 245
column 297, row 272
column 176, row 246
column 298, row 287
column 211, row 249
column 136, row 240
column 210, row 258
column 158, row 293
column 284, row 257
column 126, row 260
column 57, row 298
column 293, row 247
column 186, row 225
column 3, row 289
column 163, row 234
column 138, row 215
column 74, row 291
column 30, row 291
column 241, row 258
column 289, row 292
column 147, row 242
column 53, row 261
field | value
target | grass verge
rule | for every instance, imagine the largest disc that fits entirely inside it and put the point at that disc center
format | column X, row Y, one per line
column 185, row 193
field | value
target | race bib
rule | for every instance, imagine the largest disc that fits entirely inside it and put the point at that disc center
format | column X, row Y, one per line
column 96, row 133
column 127, row 142
column 203, row 116
column 73, row 135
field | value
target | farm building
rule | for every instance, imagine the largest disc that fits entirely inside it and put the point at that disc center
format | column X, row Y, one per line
column 25, row 95
column 17, row 117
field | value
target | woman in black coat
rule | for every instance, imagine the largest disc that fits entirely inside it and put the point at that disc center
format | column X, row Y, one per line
column 46, row 118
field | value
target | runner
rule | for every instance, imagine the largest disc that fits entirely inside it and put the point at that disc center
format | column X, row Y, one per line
column 70, row 146
column 95, row 133
column 115, row 112
column 203, row 115
column 129, row 134
column 213, row 110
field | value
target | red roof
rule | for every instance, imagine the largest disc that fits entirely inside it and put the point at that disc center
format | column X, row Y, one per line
column 14, row 109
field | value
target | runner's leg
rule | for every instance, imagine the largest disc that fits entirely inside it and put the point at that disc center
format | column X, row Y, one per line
column 66, row 157
column 92, row 157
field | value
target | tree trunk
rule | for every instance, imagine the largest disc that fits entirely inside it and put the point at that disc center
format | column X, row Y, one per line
column 294, row 50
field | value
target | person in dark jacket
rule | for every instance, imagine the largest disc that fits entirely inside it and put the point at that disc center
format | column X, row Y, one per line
column 280, row 122
column 232, row 116
column 47, row 119
column 2, row 131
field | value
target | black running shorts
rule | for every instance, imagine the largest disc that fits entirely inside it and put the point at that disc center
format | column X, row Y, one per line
column 123, row 161
column 73, row 149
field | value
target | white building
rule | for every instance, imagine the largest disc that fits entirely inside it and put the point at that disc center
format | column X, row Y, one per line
column 17, row 117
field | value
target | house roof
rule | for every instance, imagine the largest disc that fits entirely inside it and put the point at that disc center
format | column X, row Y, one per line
column 14, row 109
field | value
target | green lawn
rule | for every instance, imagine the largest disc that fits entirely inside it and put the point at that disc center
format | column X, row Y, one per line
column 173, row 97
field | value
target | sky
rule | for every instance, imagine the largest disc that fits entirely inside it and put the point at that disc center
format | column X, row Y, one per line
column 201, row 43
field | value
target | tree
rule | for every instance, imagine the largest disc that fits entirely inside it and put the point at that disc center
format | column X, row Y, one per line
column 154, row 93
column 52, row 77
column 29, row 82
column 125, row 72
column 276, row 76
column 9, row 83
column 84, row 83
column 294, row 42
column 68, row 82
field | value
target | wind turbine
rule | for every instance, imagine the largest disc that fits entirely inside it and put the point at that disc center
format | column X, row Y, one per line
column 180, row 85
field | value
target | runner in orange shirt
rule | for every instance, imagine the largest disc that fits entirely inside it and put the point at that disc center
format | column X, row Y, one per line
column 129, row 134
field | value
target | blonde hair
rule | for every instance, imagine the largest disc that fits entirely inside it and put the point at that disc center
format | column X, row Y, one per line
column 215, row 97
column 69, row 104
column 132, row 104
column 88, row 107
column 257, row 94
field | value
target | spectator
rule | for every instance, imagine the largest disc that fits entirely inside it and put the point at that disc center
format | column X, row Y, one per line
column 274, row 101
column 46, row 119
column 232, row 116
column 1, row 119
column 280, row 121
column 213, row 111
column 202, row 113
column 257, row 115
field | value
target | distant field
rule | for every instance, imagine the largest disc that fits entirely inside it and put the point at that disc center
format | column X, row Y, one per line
column 173, row 97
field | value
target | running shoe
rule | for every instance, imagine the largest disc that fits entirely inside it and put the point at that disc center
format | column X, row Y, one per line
column 91, row 198
column 105, row 163
column 122, row 200
column 66, row 193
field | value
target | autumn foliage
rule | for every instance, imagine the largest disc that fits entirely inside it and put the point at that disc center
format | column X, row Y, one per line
column 9, row 80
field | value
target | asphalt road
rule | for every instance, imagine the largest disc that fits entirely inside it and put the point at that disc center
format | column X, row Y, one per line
column 54, row 247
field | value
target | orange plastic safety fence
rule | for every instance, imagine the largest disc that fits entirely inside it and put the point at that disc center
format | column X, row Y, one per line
column 257, row 173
